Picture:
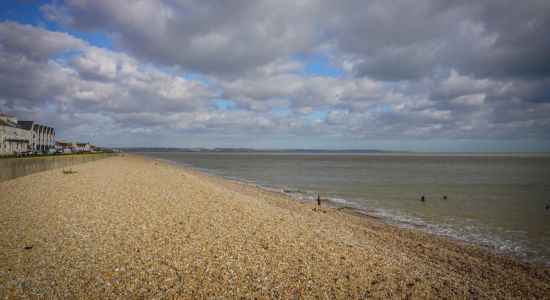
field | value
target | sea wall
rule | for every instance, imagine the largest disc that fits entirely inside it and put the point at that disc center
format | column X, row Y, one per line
column 16, row 167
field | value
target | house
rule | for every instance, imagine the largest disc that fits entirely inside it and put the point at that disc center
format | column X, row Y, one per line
column 63, row 147
column 21, row 136
column 41, row 137
column 13, row 138
column 83, row 147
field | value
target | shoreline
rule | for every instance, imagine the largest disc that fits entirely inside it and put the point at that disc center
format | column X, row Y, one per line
column 347, row 210
column 352, row 208
column 158, row 229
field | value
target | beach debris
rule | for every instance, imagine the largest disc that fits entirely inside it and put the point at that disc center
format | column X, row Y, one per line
column 28, row 247
column 68, row 170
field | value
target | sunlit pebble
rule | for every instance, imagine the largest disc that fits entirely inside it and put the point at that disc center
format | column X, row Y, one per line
column 123, row 227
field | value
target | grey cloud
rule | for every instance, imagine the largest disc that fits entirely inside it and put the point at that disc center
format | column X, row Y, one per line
column 303, row 94
column 29, row 81
column 122, row 97
column 449, row 69
column 528, row 90
column 204, row 36
column 96, row 64
column 389, row 40
column 458, row 85
column 453, row 105
column 35, row 43
column 409, row 39
column 278, row 67
column 92, row 82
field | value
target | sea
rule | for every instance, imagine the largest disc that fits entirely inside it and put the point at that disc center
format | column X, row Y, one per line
column 497, row 201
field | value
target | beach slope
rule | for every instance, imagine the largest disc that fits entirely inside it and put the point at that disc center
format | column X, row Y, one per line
column 130, row 226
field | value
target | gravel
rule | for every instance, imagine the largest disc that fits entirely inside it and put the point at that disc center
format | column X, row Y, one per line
column 129, row 226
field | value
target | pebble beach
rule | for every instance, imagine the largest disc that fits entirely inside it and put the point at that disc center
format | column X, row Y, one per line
column 130, row 226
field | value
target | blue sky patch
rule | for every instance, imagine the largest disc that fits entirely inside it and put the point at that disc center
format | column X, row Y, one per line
column 317, row 115
column 224, row 104
column 28, row 12
column 318, row 64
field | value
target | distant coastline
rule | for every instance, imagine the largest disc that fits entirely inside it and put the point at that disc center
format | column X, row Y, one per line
column 321, row 151
column 248, row 150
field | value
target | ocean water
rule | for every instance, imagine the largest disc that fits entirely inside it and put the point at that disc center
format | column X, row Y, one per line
column 495, row 201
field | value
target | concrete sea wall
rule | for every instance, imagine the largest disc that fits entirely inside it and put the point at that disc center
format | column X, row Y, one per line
column 16, row 167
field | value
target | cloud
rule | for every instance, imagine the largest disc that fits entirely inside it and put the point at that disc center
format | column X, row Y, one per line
column 456, row 85
column 406, row 69
column 88, row 92
column 302, row 93
column 395, row 40
column 36, row 43
column 206, row 37
column 452, row 105
column 388, row 40
column 123, row 97
column 88, row 80
column 472, row 100
column 98, row 64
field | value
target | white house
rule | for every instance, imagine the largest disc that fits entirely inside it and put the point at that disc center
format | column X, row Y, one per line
column 42, row 137
column 83, row 147
column 63, row 147
column 13, row 138
column 20, row 136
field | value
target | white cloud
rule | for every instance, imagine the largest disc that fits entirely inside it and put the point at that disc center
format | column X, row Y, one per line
column 210, row 37
column 92, row 81
column 441, row 70
column 302, row 93
column 474, row 100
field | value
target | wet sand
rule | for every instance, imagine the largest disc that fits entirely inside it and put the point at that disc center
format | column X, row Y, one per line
column 130, row 226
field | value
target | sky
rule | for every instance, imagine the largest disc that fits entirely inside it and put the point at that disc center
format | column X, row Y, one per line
column 413, row 75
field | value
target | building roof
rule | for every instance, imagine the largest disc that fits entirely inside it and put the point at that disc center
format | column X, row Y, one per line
column 44, row 128
column 27, row 125
column 81, row 144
